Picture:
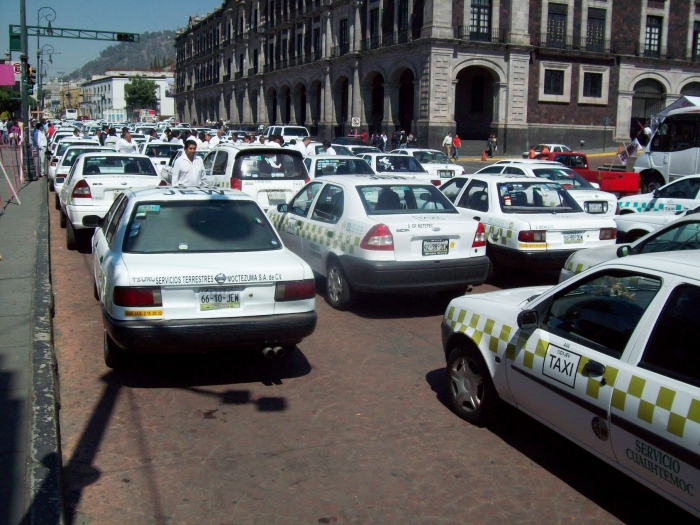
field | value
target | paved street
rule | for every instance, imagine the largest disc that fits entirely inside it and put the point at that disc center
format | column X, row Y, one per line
column 353, row 428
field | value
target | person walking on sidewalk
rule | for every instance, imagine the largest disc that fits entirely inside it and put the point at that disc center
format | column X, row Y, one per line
column 447, row 144
column 456, row 144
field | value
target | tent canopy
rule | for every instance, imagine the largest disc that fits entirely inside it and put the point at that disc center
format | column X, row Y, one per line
column 683, row 102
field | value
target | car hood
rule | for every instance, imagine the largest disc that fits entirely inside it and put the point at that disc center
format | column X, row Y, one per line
column 515, row 297
column 659, row 218
column 584, row 259
column 554, row 222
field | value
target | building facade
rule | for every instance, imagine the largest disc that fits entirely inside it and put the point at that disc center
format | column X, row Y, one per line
column 528, row 70
column 103, row 95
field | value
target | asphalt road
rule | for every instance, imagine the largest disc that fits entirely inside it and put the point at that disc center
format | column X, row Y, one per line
column 352, row 428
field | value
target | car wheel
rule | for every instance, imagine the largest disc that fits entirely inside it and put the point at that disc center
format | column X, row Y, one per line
column 71, row 237
column 472, row 394
column 94, row 290
column 337, row 287
column 114, row 356
column 57, row 202
column 63, row 219
column 51, row 188
column 651, row 183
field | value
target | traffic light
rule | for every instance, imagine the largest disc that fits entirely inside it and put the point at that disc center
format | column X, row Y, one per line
column 31, row 80
column 126, row 37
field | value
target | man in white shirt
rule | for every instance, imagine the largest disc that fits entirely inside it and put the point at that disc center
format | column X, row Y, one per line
column 447, row 144
column 303, row 146
column 175, row 138
column 327, row 148
column 188, row 170
column 126, row 145
column 214, row 141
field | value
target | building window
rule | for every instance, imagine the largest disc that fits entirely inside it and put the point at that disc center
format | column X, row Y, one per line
column 592, row 85
column 652, row 37
column 403, row 21
column 480, row 21
column 343, row 41
column 595, row 31
column 556, row 25
column 553, row 82
column 374, row 29
column 696, row 40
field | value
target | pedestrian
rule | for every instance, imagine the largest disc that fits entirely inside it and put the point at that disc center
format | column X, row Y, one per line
column 175, row 138
column 126, row 144
column 188, row 170
column 327, row 148
column 544, row 149
column 411, row 140
column 494, row 144
column 447, row 144
column 276, row 140
column 166, row 135
column 456, row 144
column 383, row 142
column 394, row 140
column 531, row 154
column 98, row 136
column 303, row 147
column 39, row 144
column 3, row 131
column 216, row 139
column 403, row 140
column 15, row 134
column 50, row 131
column 152, row 135
column 363, row 136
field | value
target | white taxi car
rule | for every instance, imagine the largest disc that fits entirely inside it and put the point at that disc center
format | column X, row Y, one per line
column 55, row 158
column 160, row 153
column 191, row 268
column 679, row 195
column 681, row 234
column 590, row 198
column 434, row 161
column 271, row 175
column 402, row 165
column 530, row 222
column 70, row 155
column 632, row 226
column 608, row 359
column 324, row 165
column 382, row 233
column 94, row 182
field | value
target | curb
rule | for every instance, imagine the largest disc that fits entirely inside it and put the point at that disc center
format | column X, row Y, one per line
column 43, row 483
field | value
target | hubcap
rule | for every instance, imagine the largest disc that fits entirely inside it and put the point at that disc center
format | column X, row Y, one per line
column 466, row 384
column 335, row 284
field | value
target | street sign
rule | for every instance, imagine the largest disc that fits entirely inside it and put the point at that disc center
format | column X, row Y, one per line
column 355, row 122
column 17, row 66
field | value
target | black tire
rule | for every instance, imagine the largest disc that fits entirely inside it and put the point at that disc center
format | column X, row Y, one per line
column 470, row 388
column 63, row 219
column 95, row 293
column 51, row 188
column 651, row 183
column 114, row 356
column 71, row 237
column 57, row 202
column 338, row 293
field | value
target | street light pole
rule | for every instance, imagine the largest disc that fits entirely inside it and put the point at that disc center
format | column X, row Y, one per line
column 45, row 49
column 50, row 15
column 23, row 58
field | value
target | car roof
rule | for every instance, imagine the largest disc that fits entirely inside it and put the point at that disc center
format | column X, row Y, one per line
column 186, row 193
column 379, row 153
column 333, row 157
column 503, row 177
column 377, row 180
column 417, row 149
column 118, row 154
column 684, row 264
column 257, row 147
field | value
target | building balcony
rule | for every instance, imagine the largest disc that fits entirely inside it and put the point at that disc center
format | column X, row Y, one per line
column 568, row 43
column 252, row 71
column 478, row 34
column 642, row 50
column 339, row 51
column 238, row 75
column 227, row 78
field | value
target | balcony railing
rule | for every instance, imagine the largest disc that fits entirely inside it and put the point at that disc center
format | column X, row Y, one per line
column 227, row 78
column 478, row 34
column 653, row 52
column 386, row 40
column 589, row 45
column 340, row 50
column 238, row 74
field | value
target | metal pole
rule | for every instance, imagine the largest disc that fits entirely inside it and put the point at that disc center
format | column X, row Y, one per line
column 26, row 149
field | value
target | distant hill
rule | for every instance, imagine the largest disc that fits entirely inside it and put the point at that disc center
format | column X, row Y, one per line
column 157, row 46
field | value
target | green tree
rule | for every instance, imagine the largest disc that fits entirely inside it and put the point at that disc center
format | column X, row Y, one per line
column 9, row 99
column 140, row 93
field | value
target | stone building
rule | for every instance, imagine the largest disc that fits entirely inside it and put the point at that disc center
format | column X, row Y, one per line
column 528, row 70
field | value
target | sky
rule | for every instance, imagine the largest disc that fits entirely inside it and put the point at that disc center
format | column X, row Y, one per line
column 129, row 16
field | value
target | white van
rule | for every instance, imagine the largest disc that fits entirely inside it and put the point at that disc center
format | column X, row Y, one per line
column 288, row 132
column 271, row 175
column 672, row 152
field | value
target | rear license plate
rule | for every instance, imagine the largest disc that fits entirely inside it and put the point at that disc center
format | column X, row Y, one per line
column 276, row 197
column 595, row 207
column 573, row 238
column 218, row 299
column 436, row 247
column 446, row 174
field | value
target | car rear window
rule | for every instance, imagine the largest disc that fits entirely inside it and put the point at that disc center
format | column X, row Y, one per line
column 199, row 226
column 397, row 199
column 72, row 154
column 64, row 145
column 269, row 166
column 342, row 167
column 535, row 197
column 362, row 150
column 566, row 177
column 398, row 164
column 431, row 157
column 111, row 165
column 295, row 131
column 161, row 150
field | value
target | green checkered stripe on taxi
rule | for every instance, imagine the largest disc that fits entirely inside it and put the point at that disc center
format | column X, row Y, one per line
column 648, row 206
column 319, row 234
column 655, row 404
column 276, row 220
column 496, row 234
column 481, row 328
column 576, row 269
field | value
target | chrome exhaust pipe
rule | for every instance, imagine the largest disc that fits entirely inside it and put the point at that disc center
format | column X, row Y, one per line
column 279, row 351
column 268, row 352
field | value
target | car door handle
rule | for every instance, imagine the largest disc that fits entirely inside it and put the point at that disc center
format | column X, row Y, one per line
column 594, row 368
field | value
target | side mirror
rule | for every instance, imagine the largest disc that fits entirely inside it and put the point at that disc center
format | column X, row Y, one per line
column 624, row 251
column 92, row 221
column 528, row 319
column 657, row 194
column 282, row 208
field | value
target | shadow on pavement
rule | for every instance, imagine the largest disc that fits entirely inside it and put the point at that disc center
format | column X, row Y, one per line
column 604, row 485
column 396, row 306
column 11, row 418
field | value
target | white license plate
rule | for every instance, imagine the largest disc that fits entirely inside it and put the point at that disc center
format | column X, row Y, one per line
column 573, row 238
column 446, row 174
column 595, row 207
column 436, row 247
column 218, row 299
column 276, row 197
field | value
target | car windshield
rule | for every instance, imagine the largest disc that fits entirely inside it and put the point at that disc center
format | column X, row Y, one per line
column 535, row 197
column 685, row 236
column 431, row 157
column 361, row 150
column 202, row 226
column 266, row 166
column 64, row 145
column 398, row 164
column 114, row 165
column 72, row 154
column 342, row 167
column 403, row 199
column 569, row 179
column 161, row 150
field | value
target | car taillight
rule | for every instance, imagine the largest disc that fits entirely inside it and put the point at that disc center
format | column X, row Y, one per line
column 379, row 237
column 163, row 183
column 81, row 190
column 607, row 234
column 127, row 296
column 533, row 236
column 295, row 290
column 479, row 237
column 236, row 184
column 436, row 182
